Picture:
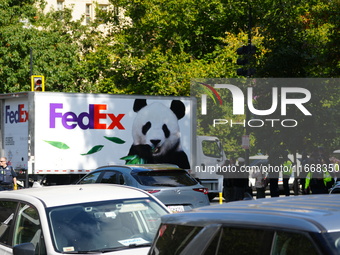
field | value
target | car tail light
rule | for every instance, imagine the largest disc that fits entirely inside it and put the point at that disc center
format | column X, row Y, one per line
column 203, row 190
column 151, row 191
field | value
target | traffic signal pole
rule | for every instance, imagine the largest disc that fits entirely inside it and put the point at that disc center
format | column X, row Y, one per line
column 246, row 56
column 31, row 62
column 246, row 52
column 247, row 151
column 37, row 81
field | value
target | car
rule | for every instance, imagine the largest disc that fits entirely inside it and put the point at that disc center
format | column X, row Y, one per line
column 73, row 219
column 282, row 225
column 174, row 186
column 335, row 188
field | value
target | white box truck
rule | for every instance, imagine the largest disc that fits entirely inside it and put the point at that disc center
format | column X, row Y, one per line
column 55, row 137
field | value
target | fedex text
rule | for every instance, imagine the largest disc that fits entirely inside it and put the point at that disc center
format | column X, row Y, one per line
column 17, row 116
column 94, row 118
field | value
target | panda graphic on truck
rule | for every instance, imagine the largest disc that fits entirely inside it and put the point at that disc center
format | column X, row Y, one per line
column 156, row 134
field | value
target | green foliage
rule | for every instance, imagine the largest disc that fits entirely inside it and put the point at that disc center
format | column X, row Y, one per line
column 299, row 38
column 156, row 47
column 52, row 39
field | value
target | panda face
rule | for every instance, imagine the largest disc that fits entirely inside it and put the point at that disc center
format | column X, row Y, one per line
column 156, row 125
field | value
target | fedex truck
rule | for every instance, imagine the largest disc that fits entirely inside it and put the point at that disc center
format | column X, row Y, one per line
column 55, row 138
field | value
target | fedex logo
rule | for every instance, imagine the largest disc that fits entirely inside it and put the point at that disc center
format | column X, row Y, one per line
column 20, row 115
column 85, row 120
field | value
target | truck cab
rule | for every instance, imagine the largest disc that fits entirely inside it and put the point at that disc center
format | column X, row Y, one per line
column 210, row 157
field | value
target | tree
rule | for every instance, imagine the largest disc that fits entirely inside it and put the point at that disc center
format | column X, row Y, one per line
column 14, row 50
column 53, row 39
column 156, row 47
column 299, row 38
column 171, row 40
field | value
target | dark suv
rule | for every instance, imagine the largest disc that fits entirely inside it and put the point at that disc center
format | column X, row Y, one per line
column 285, row 225
column 173, row 186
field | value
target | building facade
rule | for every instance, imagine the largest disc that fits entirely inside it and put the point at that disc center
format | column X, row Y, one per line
column 79, row 7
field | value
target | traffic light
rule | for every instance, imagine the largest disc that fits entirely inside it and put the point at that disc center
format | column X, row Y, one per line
column 246, row 52
column 248, row 49
column 37, row 83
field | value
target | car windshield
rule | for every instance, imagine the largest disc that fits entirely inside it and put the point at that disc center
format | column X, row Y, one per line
column 105, row 225
column 173, row 178
column 333, row 240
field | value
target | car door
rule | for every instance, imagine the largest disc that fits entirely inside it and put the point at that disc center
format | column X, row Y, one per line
column 20, row 223
column 7, row 214
column 27, row 228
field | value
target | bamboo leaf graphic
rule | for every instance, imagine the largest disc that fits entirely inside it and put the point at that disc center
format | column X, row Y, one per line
column 59, row 145
column 93, row 150
column 133, row 159
column 115, row 139
column 129, row 157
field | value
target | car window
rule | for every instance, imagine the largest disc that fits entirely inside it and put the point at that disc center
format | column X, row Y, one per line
column 211, row 149
column 172, row 239
column 28, row 229
column 7, row 211
column 121, row 180
column 260, row 241
column 286, row 243
column 112, row 177
column 334, row 240
column 106, row 225
column 241, row 241
column 173, row 178
column 109, row 177
column 90, row 178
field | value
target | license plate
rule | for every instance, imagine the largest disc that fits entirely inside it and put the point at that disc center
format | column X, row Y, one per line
column 176, row 208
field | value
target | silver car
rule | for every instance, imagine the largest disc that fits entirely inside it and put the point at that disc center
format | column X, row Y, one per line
column 274, row 226
column 173, row 186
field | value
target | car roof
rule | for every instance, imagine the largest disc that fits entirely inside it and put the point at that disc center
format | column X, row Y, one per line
column 259, row 162
column 144, row 167
column 313, row 213
column 59, row 195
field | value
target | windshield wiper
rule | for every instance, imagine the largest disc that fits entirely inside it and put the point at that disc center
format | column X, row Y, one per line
column 79, row 252
column 131, row 246
column 140, row 245
column 109, row 249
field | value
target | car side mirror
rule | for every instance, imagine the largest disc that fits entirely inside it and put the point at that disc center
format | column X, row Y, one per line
column 24, row 249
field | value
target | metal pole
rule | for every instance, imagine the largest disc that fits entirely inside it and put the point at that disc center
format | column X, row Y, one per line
column 28, row 156
column 249, row 74
column 249, row 25
column 31, row 62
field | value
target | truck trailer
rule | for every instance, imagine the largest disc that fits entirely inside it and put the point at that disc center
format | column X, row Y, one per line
column 55, row 138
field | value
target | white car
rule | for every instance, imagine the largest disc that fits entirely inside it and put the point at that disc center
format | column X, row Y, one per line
column 74, row 219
